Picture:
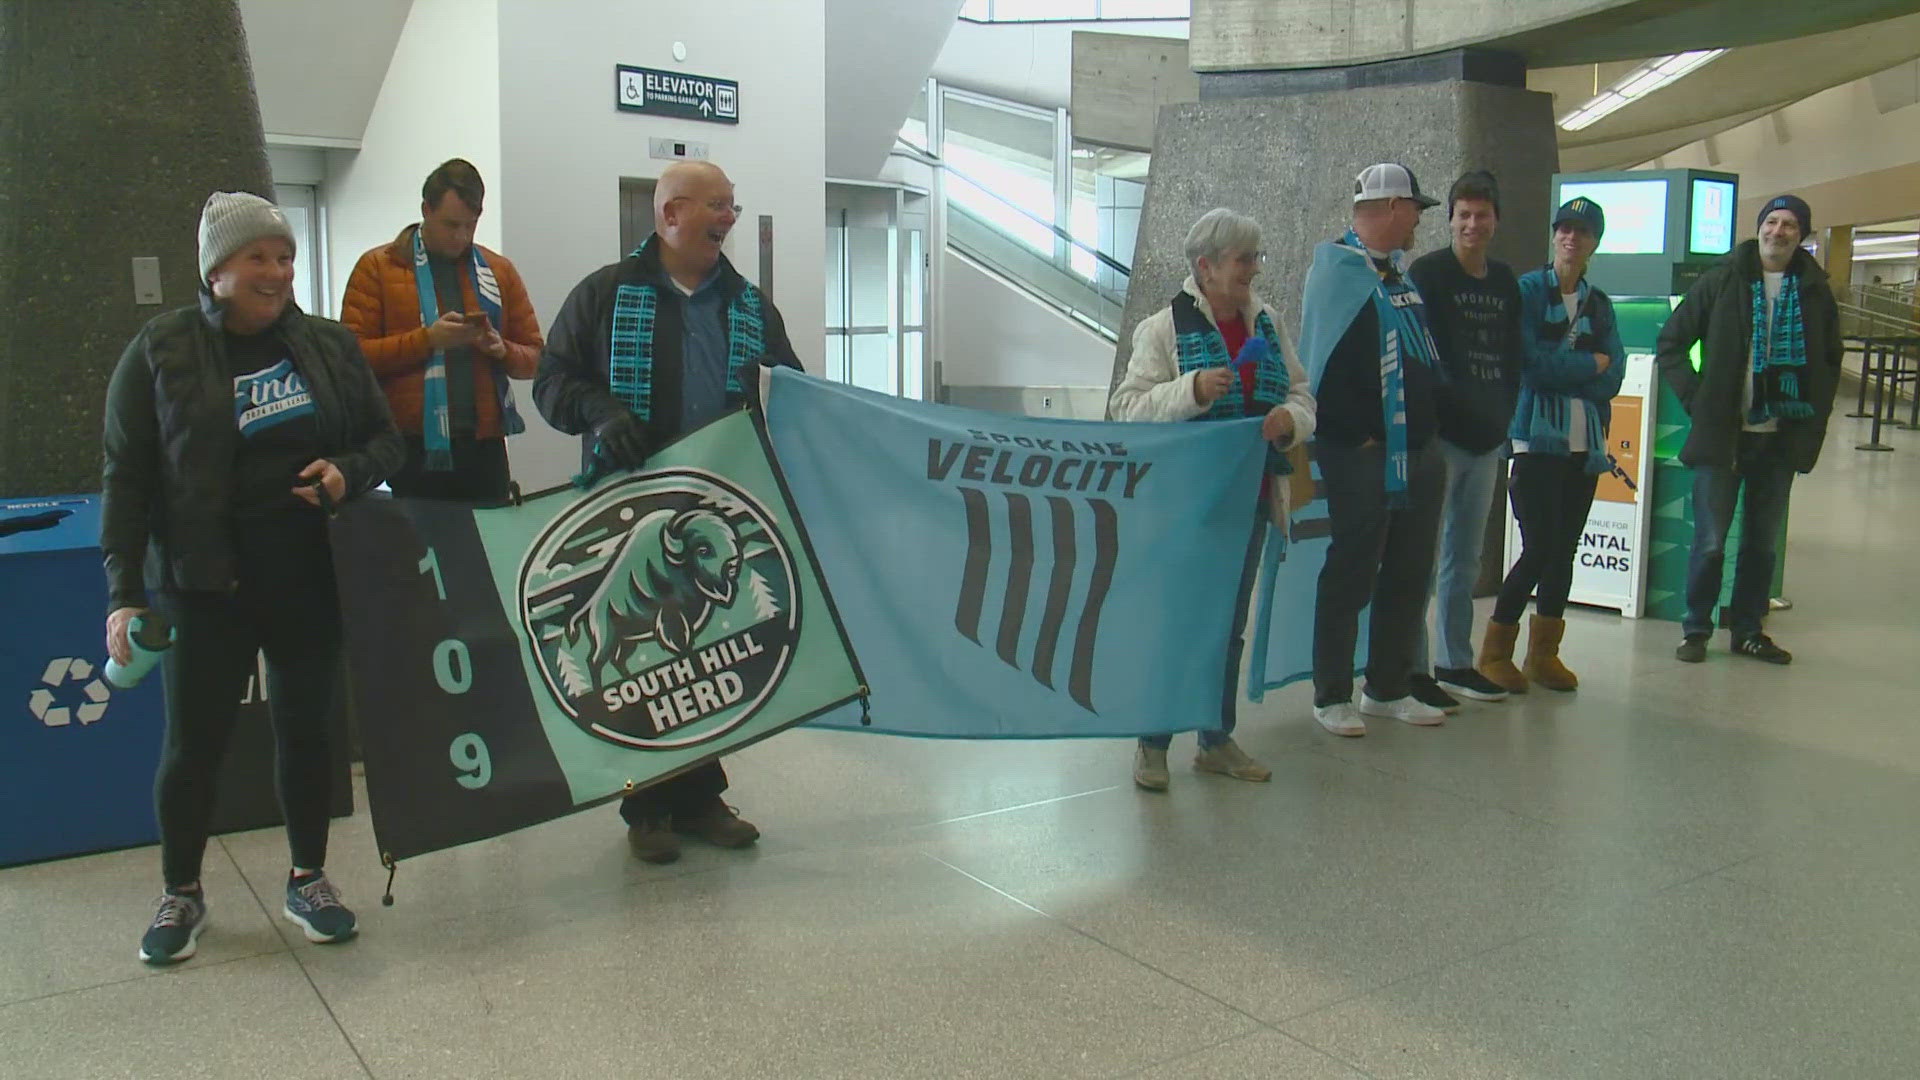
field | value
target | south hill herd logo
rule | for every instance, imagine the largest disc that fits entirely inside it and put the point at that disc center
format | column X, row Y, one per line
column 663, row 609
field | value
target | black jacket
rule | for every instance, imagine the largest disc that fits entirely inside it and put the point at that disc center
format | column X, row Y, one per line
column 1348, row 410
column 1718, row 312
column 572, row 388
column 170, row 444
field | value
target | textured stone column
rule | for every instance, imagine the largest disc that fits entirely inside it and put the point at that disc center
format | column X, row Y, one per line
column 117, row 118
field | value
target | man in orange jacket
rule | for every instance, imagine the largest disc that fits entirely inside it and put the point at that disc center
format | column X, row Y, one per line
column 445, row 324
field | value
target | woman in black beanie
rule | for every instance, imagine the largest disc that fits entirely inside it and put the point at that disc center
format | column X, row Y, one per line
column 231, row 426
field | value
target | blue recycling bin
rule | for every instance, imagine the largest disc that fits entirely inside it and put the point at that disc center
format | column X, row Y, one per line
column 76, row 763
column 77, row 757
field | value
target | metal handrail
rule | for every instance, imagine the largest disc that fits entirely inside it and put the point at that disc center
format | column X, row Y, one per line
column 928, row 157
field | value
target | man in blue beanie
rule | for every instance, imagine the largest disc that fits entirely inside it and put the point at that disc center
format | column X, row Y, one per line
column 1769, row 329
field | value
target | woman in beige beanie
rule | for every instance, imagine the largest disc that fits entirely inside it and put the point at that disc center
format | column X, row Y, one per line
column 232, row 428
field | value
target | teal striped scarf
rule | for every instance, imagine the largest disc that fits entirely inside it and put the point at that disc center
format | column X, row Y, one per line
column 1779, row 355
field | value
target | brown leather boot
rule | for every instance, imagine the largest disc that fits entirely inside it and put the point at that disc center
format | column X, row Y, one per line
column 1543, row 654
column 1496, row 657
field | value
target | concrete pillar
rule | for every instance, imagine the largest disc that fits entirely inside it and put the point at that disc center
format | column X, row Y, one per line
column 117, row 119
column 1838, row 252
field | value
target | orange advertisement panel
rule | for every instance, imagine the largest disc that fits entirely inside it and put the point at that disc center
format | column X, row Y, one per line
column 1623, row 442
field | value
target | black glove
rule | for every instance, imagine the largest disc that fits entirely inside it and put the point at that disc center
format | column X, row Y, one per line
column 621, row 441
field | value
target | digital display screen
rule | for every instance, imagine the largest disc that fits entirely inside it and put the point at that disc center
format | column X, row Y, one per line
column 1710, row 230
column 1636, row 213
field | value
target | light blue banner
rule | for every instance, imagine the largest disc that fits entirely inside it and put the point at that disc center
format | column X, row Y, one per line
column 1289, row 580
column 1010, row 577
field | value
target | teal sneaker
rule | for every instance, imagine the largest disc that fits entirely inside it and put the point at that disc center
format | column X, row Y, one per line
column 174, row 934
column 313, row 904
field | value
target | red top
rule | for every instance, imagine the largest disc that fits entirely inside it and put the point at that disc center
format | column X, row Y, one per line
column 1234, row 332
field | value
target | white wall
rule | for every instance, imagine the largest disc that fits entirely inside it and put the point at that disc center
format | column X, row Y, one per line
column 429, row 109
column 1028, row 62
column 317, row 66
column 997, row 335
column 564, row 148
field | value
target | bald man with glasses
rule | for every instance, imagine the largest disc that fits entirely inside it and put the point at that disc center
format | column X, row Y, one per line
column 678, row 372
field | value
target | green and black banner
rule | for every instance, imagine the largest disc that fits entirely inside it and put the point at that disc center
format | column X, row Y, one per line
column 513, row 665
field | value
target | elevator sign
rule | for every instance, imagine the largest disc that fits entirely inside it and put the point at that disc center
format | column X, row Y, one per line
column 676, row 94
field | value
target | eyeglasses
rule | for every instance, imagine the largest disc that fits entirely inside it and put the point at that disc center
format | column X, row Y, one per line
column 718, row 206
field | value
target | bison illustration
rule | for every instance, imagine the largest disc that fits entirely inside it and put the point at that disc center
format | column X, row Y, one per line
column 663, row 582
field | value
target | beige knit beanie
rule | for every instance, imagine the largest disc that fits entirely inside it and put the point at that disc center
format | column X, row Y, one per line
column 231, row 221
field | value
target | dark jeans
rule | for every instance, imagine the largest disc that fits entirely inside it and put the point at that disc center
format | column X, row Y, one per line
column 286, row 607
column 1379, row 555
column 1551, row 495
column 1768, row 481
column 479, row 472
column 684, row 794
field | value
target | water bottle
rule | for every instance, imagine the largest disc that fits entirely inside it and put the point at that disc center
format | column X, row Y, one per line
column 148, row 635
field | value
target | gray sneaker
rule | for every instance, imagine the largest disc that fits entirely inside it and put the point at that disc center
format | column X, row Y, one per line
column 1228, row 759
column 174, row 934
column 1150, row 768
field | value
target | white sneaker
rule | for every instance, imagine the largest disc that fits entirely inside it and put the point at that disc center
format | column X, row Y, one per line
column 1340, row 719
column 1407, row 710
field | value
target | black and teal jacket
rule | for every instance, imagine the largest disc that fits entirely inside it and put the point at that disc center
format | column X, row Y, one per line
column 573, row 388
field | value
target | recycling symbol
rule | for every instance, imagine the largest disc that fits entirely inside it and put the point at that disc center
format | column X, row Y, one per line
column 68, row 671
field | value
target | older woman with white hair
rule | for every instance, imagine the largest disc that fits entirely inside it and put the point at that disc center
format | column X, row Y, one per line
column 1192, row 361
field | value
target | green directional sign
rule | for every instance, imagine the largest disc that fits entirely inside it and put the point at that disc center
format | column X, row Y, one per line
column 677, row 94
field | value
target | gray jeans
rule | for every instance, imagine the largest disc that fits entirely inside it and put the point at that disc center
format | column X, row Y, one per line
column 1378, row 555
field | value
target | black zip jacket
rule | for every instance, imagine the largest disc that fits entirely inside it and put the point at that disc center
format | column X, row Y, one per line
column 170, row 443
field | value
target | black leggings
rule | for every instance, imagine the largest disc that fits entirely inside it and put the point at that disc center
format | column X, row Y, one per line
column 1551, row 496
column 286, row 607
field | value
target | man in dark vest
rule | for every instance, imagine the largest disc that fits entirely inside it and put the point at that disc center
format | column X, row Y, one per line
column 643, row 351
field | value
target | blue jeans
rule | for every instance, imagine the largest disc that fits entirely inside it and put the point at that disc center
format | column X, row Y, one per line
column 1463, row 529
column 1715, row 492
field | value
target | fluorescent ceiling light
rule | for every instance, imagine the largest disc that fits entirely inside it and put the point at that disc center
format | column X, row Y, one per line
column 1636, row 84
column 1888, row 238
column 1883, row 256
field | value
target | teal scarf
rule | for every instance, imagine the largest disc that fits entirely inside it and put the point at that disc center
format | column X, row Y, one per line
column 1779, row 355
column 1552, row 419
column 1198, row 344
column 436, row 430
column 630, row 353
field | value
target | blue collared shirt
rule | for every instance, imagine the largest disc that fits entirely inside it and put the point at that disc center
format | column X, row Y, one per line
column 703, row 352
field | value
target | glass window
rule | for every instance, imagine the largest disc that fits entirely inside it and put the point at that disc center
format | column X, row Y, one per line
column 836, row 358
column 300, row 203
column 870, row 275
column 911, row 384
column 1020, row 10
column 871, row 364
column 836, row 278
column 916, row 279
column 1000, row 166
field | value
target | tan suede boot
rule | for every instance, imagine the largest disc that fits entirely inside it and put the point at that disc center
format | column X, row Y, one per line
column 1543, row 654
column 1496, row 657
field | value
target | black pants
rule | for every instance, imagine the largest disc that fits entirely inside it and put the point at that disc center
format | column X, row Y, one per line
column 285, row 606
column 684, row 794
column 1378, row 555
column 1551, row 495
column 479, row 472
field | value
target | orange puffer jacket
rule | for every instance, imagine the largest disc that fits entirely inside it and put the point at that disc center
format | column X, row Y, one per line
column 382, row 308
